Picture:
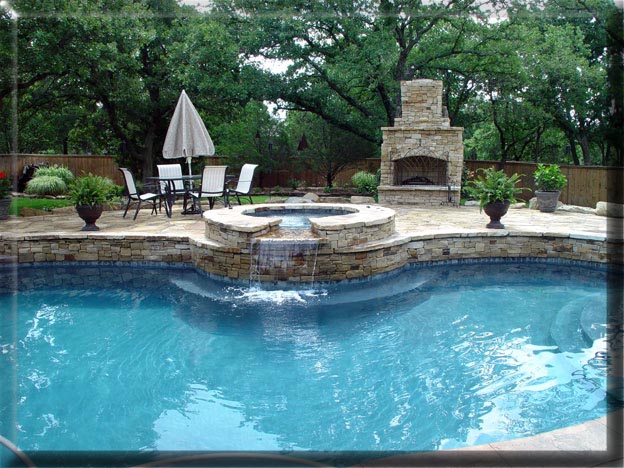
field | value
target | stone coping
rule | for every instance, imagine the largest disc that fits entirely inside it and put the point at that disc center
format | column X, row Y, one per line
column 236, row 219
column 406, row 237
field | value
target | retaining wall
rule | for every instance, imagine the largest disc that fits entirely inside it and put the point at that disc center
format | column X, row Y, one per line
column 330, row 263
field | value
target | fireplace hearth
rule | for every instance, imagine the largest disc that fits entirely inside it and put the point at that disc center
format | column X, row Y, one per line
column 422, row 155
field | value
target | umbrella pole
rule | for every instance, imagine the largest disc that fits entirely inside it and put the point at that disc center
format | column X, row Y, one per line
column 188, row 161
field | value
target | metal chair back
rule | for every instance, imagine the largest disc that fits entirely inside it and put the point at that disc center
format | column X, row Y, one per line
column 171, row 170
column 213, row 181
column 130, row 185
column 245, row 179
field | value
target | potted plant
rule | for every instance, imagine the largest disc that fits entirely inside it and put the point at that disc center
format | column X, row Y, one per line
column 5, row 199
column 495, row 192
column 89, row 193
column 549, row 181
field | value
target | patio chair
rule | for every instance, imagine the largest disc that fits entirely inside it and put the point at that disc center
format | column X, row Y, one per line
column 212, row 186
column 171, row 170
column 133, row 195
column 243, row 186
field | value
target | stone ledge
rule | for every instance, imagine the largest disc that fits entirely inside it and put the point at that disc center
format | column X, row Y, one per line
column 393, row 241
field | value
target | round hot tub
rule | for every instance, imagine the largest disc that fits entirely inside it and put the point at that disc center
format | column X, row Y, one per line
column 319, row 241
column 337, row 225
column 295, row 218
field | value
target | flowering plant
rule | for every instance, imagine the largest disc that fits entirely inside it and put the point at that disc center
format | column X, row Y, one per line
column 5, row 184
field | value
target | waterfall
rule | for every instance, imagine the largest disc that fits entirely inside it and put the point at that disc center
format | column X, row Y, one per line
column 282, row 260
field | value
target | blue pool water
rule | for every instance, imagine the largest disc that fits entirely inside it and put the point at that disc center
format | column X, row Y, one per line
column 296, row 218
column 128, row 358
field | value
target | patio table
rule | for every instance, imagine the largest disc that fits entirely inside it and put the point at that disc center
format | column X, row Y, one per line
column 170, row 194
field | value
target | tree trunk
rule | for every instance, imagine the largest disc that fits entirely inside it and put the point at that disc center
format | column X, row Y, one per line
column 329, row 176
column 147, row 155
column 538, row 143
column 575, row 158
column 584, row 144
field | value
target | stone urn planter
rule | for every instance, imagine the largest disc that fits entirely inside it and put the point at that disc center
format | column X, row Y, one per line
column 90, row 214
column 496, row 210
column 547, row 200
column 4, row 207
column 89, row 194
column 495, row 191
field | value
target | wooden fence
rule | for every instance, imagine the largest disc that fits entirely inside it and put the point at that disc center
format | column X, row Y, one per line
column 315, row 179
column 586, row 184
column 77, row 163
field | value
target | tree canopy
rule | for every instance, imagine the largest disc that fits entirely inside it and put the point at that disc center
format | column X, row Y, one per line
column 527, row 80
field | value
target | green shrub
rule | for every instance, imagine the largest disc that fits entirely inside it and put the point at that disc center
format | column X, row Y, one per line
column 549, row 178
column 60, row 171
column 327, row 189
column 295, row 184
column 117, row 191
column 467, row 174
column 46, row 185
column 91, row 190
column 365, row 182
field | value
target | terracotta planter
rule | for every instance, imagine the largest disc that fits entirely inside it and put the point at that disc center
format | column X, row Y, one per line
column 547, row 201
column 4, row 207
column 496, row 211
column 90, row 215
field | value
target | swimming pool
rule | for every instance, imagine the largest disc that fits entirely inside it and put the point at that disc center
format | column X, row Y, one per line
column 435, row 357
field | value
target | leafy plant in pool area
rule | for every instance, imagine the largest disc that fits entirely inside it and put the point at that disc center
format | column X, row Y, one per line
column 91, row 190
column 5, row 184
column 549, row 178
column 364, row 182
column 294, row 184
column 490, row 186
column 46, row 185
column 62, row 172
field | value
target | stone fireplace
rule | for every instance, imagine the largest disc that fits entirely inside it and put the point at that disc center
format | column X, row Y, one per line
column 422, row 155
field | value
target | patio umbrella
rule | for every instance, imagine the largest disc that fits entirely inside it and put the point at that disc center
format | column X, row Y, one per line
column 187, row 136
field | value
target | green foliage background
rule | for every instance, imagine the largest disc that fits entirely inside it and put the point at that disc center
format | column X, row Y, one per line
column 535, row 81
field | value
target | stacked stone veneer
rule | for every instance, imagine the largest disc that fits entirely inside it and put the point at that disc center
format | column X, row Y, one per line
column 423, row 131
column 330, row 263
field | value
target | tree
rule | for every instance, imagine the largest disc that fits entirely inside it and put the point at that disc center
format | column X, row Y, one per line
column 329, row 148
column 123, row 63
column 253, row 136
column 347, row 58
column 567, row 68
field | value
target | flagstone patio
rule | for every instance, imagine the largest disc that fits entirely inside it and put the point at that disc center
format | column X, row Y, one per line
column 409, row 220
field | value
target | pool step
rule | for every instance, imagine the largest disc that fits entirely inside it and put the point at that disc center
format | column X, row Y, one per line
column 572, row 329
column 594, row 317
